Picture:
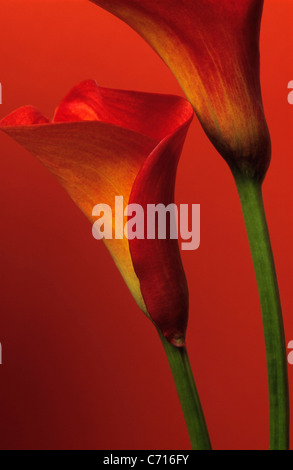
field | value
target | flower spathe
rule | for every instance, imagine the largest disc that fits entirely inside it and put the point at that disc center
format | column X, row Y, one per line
column 103, row 143
column 212, row 47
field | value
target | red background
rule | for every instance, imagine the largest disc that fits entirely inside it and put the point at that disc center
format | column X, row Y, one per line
column 82, row 367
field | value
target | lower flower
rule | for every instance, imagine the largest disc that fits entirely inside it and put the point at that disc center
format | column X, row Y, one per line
column 103, row 143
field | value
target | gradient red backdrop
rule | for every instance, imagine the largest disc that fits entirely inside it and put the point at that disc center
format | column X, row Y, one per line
column 82, row 367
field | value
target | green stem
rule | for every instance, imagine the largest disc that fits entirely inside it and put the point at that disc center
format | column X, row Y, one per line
column 188, row 395
column 250, row 193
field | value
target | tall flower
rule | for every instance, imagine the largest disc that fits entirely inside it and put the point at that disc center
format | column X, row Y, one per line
column 104, row 143
column 212, row 47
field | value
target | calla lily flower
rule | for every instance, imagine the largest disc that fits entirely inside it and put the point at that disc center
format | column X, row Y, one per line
column 212, row 47
column 103, row 143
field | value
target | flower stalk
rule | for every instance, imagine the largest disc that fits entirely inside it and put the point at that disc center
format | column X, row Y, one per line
column 188, row 395
column 250, row 192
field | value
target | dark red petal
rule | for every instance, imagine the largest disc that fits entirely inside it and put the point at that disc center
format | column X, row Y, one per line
column 157, row 263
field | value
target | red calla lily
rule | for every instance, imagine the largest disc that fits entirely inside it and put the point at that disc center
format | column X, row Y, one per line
column 104, row 143
column 212, row 47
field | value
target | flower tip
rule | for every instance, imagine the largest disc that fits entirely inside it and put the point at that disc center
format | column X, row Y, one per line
column 24, row 116
column 177, row 341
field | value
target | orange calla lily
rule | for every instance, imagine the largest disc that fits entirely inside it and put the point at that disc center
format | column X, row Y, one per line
column 104, row 143
column 212, row 47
